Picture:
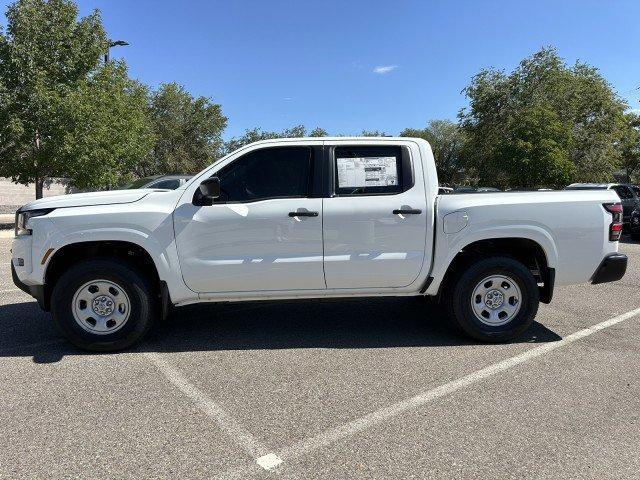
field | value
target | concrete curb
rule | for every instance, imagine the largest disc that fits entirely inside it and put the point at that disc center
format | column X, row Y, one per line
column 7, row 221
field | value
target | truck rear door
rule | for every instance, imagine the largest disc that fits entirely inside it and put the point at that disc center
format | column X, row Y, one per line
column 375, row 216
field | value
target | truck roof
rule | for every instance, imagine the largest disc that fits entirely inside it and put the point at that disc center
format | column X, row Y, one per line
column 302, row 139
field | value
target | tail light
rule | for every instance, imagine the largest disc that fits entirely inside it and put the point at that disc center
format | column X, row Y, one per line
column 615, row 229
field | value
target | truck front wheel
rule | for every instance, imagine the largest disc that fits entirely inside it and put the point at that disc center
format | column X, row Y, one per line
column 103, row 305
column 494, row 300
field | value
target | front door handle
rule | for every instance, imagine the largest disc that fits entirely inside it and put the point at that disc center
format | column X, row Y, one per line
column 303, row 213
column 408, row 211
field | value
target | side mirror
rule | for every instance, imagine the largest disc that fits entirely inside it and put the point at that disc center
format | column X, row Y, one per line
column 210, row 188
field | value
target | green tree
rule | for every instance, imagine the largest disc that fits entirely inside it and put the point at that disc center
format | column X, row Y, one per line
column 187, row 132
column 318, row 132
column 373, row 133
column 60, row 104
column 446, row 139
column 505, row 109
column 630, row 147
column 106, row 129
column 538, row 152
column 257, row 134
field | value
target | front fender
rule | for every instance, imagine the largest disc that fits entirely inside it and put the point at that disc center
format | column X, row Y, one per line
column 162, row 253
column 158, row 253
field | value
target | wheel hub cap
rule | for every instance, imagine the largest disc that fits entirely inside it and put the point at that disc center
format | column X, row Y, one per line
column 101, row 307
column 496, row 300
column 493, row 299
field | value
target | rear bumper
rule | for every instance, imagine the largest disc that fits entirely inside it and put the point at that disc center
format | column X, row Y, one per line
column 612, row 268
column 36, row 291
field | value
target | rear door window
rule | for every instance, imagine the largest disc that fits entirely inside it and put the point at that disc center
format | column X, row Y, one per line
column 368, row 170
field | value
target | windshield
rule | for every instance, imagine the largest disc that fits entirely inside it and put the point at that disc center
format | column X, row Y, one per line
column 138, row 183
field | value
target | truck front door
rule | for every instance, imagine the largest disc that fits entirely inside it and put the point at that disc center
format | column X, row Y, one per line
column 264, row 233
column 375, row 219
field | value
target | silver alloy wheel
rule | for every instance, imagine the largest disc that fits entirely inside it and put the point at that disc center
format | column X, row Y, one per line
column 101, row 307
column 496, row 300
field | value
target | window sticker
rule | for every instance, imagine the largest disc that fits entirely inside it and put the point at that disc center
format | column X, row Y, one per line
column 367, row 172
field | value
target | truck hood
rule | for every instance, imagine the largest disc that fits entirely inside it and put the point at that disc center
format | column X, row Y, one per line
column 112, row 197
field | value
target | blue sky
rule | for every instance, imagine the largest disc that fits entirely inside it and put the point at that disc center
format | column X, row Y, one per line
column 349, row 66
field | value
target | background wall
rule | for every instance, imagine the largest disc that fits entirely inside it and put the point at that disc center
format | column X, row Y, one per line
column 13, row 195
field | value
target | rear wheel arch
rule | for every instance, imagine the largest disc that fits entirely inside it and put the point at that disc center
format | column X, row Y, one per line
column 494, row 300
column 525, row 250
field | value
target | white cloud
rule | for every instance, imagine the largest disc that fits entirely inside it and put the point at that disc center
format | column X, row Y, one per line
column 287, row 99
column 384, row 69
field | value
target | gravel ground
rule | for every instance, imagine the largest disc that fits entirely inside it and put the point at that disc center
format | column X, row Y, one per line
column 371, row 388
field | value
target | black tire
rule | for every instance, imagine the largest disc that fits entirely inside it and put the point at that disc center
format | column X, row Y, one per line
column 142, row 310
column 635, row 236
column 459, row 298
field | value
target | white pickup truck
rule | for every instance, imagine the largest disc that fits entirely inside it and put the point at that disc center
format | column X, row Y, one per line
column 310, row 218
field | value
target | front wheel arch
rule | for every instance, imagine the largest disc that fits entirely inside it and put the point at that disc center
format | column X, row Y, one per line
column 138, row 318
column 74, row 253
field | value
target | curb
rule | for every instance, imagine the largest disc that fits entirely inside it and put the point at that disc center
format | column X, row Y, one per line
column 7, row 221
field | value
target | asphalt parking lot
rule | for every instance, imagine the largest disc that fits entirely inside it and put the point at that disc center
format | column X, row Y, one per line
column 368, row 388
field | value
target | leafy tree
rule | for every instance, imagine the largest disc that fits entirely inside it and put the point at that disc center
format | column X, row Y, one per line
column 318, row 132
column 373, row 133
column 58, row 98
column 446, row 139
column 538, row 152
column 106, row 129
column 187, row 132
column 630, row 146
column 508, row 111
column 257, row 134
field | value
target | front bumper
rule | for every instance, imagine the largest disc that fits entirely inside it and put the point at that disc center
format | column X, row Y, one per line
column 36, row 291
column 612, row 268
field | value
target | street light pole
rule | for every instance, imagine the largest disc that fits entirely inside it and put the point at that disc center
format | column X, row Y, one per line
column 110, row 44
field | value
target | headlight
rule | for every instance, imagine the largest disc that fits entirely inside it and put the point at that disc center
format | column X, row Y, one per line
column 22, row 218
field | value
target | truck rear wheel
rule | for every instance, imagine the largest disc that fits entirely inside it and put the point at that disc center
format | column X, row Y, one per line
column 103, row 305
column 494, row 300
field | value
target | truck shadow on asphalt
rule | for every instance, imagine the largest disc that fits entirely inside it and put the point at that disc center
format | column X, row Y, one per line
column 356, row 323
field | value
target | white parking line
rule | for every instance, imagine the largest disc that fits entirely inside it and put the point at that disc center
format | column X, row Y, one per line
column 372, row 419
column 224, row 420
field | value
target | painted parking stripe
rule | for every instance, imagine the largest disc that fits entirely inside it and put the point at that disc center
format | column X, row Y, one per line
column 223, row 419
column 372, row 419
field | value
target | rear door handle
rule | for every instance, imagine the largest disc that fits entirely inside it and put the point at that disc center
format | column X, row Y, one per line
column 303, row 213
column 408, row 211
